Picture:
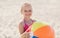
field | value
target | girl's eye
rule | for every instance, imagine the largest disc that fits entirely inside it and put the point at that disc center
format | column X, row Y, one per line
column 30, row 10
column 25, row 10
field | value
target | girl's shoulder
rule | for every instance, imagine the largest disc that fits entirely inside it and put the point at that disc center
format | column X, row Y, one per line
column 21, row 22
column 34, row 20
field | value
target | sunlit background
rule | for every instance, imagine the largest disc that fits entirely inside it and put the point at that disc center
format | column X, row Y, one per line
column 44, row 10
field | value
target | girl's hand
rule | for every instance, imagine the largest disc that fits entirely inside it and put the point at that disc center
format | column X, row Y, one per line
column 25, row 35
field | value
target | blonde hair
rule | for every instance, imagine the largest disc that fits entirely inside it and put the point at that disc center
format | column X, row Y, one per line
column 25, row 5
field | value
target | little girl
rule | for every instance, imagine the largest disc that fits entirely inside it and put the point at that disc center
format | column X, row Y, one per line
column 26, row 11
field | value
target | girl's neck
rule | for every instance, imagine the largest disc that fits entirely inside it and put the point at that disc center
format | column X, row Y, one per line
column 27, row 19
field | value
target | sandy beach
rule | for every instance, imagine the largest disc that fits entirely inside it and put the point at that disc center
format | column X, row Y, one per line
column 44, row 10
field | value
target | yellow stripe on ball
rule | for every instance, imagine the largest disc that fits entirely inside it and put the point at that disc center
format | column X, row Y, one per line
column 37, row 25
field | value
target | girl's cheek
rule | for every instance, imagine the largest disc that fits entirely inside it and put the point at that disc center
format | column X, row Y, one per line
column 30, row 14
column 27, row 14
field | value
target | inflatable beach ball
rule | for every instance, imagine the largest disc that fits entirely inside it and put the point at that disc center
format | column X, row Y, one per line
column 42, row 30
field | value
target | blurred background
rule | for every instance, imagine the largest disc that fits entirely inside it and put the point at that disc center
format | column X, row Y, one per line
column 44, row 10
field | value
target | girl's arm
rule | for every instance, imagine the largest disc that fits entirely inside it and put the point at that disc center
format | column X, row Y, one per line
column 21, row 30
column 22, row 33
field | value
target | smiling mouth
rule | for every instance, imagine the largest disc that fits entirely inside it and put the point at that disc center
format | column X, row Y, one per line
column 28, row 14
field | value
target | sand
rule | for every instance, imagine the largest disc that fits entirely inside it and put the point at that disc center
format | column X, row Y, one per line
column 44, row 10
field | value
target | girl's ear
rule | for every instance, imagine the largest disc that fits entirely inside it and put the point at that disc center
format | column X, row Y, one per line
column 21, row 11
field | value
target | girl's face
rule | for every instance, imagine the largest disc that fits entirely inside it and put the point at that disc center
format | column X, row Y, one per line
column 27, row 11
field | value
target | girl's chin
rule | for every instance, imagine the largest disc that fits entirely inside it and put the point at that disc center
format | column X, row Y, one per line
column 27, row 17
